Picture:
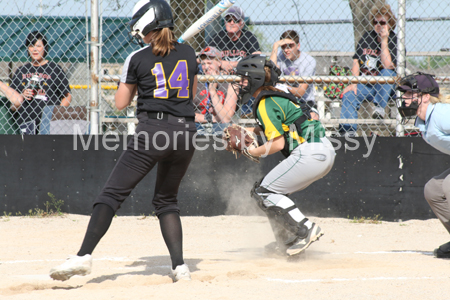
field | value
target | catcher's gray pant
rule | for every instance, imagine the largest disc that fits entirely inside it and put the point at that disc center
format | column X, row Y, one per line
column 307, row 163
column 437, row 193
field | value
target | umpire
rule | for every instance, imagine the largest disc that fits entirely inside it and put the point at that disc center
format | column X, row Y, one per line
column 421, row 99
column 164, row 76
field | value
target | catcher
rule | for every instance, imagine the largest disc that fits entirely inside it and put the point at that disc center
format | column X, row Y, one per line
column 287, row 127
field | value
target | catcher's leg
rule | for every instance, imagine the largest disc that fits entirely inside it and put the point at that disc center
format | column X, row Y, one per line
column 280, row 211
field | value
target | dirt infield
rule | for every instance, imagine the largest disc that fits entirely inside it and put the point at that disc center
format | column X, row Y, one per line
column 227, row 261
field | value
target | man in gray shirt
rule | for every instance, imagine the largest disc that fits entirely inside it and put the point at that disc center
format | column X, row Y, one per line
column 292, row 61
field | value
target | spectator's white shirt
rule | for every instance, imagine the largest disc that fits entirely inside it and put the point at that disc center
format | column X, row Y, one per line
column 305, row 65
column 283, row 87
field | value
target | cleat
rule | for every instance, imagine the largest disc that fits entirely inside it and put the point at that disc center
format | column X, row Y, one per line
column 302, row 243
column 74, row 265
column 181, row 272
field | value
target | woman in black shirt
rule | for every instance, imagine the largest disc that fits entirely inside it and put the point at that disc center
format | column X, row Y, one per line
column 164, row 76
column 36, row 84
column 376, row 55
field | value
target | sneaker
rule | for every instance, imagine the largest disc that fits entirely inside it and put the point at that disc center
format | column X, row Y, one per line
column 313, row 235
column 443, row 251
column 181, row 272
column 378, row 112
column 74, row 265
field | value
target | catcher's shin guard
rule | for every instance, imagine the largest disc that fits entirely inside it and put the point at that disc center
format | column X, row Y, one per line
column 285, row 228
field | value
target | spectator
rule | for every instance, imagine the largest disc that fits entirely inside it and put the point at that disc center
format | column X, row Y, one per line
column 422, row 99
column 216, row 102
column 376, row 55
column 235, row 42
column 36, row 84
column 292, row 61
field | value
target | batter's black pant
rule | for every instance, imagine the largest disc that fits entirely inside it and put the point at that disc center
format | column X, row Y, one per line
column 166, row 142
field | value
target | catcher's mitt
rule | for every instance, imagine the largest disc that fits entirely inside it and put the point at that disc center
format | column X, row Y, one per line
column 238, row 139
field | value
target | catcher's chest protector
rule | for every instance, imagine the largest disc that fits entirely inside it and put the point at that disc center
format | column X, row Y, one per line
column 305, row 109
column 264, row 94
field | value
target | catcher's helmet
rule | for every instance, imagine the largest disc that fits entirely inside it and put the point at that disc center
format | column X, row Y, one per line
column 419, row 83
column 149, row 15
column 252, row 69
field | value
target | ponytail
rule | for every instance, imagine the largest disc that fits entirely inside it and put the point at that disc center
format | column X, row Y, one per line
column 163, row 41
column 440, row 99
column 267, row 79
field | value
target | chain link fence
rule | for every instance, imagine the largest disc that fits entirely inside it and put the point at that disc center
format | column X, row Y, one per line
column 327, row 47
column 43, row 68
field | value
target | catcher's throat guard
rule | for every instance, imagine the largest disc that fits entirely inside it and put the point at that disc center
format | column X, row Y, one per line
column 408, row 111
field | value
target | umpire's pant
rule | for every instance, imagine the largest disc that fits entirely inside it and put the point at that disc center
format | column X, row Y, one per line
column 437, row 193
column 166, row 142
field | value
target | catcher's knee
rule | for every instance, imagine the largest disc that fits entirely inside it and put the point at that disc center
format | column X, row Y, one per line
column 260, row 194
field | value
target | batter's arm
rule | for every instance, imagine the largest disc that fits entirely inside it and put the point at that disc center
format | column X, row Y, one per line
column 125, row 95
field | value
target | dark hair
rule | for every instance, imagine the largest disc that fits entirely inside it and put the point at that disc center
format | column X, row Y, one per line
column 33, row 37
column 291, row 34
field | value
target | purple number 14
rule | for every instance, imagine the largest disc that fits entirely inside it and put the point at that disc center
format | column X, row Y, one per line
column 177, row 80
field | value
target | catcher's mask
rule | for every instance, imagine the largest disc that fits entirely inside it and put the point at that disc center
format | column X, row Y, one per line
column 149, row 15
column 251, row 70
column 418, row 83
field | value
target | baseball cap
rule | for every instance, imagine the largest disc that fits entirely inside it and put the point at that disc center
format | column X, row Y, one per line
column 210, row 52
column 424, row 83
column 236, row 12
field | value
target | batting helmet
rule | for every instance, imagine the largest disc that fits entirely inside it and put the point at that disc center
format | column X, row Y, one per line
column 149, row 15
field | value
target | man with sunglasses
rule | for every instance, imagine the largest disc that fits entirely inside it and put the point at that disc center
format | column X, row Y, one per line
column 376, row 55
column 292, row 61
column 235, row 42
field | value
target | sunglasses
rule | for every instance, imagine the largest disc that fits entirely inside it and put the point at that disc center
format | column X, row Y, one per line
column 290, row 46
column 382, row 23
column 229, row 19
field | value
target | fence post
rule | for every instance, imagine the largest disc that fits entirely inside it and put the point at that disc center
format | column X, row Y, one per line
column 94, row 108
column 401, row 58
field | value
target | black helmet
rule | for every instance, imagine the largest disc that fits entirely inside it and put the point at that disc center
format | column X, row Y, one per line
column 252, row 69
column 420, row 83
column 149, row 15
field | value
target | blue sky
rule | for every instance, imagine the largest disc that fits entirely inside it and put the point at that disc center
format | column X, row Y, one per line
column 421, row 36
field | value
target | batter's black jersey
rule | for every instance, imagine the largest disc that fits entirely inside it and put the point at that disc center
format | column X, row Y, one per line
column 164, row 83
